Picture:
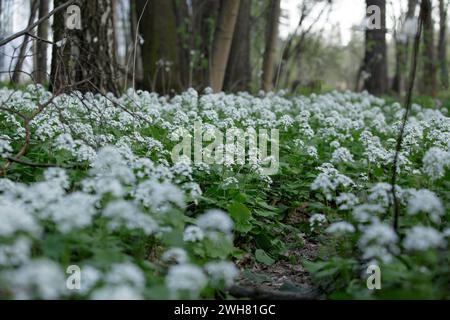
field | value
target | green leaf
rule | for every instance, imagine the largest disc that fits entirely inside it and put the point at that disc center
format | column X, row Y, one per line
column 239, row 212
column 263, row 257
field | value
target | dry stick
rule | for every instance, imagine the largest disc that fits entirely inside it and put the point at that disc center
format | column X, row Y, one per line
column 31, row 27
column 405, row 117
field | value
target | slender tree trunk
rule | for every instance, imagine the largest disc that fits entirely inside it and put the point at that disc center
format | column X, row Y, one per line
column 375, row 58
column 429, row 76
column 23, row 48
column 273, row 17
column 222, row 42
column 40, row 72
column 443, row 62
column 182, row 17
column 237, row 76
column 58, row 77
column 402, row 54
column 2, row 34
column 160, row 52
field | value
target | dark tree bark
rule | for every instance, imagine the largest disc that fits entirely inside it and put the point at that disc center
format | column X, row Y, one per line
column 273, row 17
column 85, row 59
column 23, row 48
column 375, row 58
column 443, row 62
column 184, row 29
column 204, row 17
column 40, row 72
column 160, row 52
column 429, row 76
column 237, row 76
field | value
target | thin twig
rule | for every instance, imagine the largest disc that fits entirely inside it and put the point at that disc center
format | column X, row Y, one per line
column 32, row 26
column 423, row 8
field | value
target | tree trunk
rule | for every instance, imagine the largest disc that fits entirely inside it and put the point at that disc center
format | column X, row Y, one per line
column 23, row 48
column 40, row 72
column 443, row 63
column 85, row 59
column 273, row 17
column 182, row 18
column 429, row 77
column 222, row 42
column 204, row 16
column 375, row 58
column 402, row 54
column 160, row 52
column 2, row 34
column 237, row 76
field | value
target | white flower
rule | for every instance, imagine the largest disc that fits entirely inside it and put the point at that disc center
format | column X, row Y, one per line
column 193, row 234
column 186, row 277
column 329, row 180
column 16, row 253
column 382, row 193
column 335, row 144
column 90, row 277
column 122, row 292
column 125, row 274
column 58, row 176
column 215, row 220
column 422, row 238
column 176, row 255
column 222, row 271
column 14, row 218
column 378, row 233
column 5, row 148
column 342, row 155
column 73, row 211
column 365, row 212
column 125, row 214
column 425, row 201
column 312, row 152
column 378, row 241
column 434, row 163
column 347, row 201
column 159, row 196
column 341, row 227
column 38, row 279
column 317, row 220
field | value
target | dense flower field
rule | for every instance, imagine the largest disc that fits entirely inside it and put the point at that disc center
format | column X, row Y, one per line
column 88, row 181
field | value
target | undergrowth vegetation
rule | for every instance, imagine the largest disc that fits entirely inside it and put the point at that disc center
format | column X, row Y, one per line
column 88, row 181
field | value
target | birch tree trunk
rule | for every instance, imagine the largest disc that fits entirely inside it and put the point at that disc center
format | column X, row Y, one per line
column 222, row 42
column 270, row 52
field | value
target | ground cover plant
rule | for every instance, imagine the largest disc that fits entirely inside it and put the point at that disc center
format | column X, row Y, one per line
column 87, row 181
